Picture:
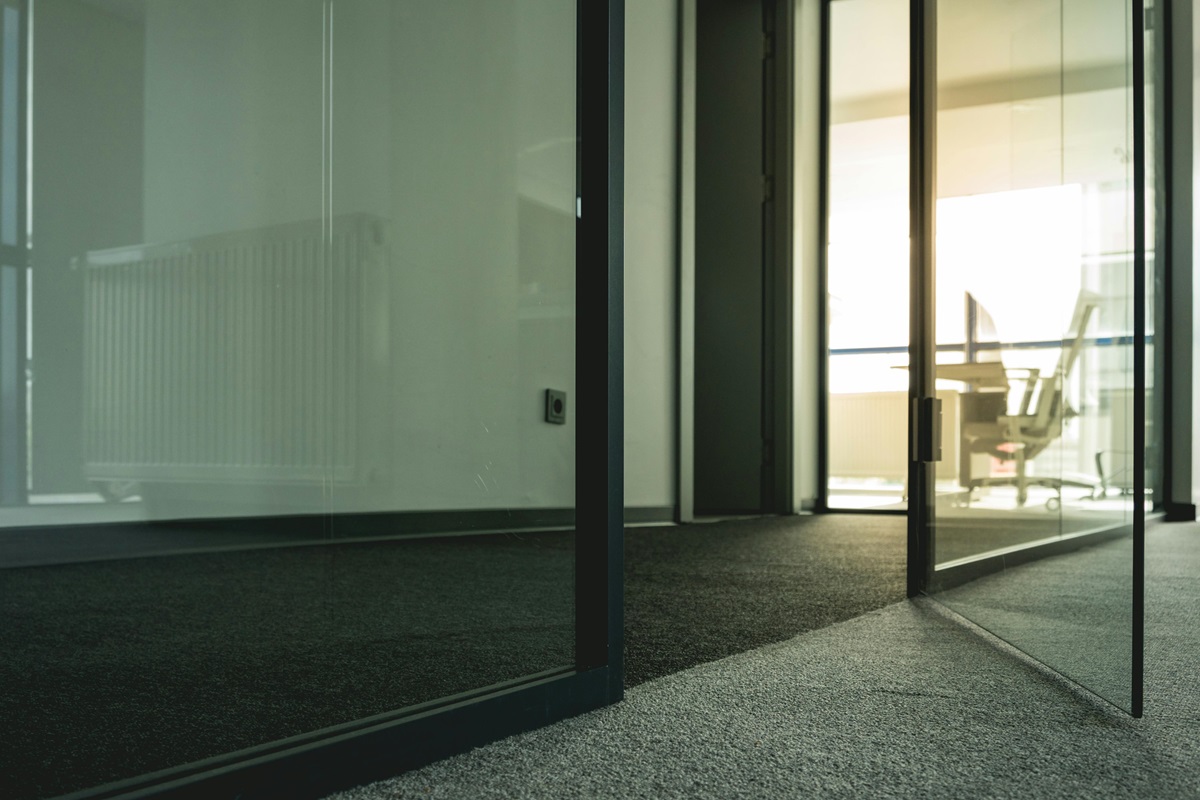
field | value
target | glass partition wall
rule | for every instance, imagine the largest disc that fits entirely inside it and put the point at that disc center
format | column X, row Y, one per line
column 288, row 348
column 1037, row 329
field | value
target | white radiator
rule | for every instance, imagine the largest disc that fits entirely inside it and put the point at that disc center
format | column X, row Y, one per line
column 868, row 436
column 234, row 357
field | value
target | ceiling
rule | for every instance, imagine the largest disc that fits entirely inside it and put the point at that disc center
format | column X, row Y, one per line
column 987, row 43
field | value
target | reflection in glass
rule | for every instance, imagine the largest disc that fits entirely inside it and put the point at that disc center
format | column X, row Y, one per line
column 301, row 274
column 1035, row 323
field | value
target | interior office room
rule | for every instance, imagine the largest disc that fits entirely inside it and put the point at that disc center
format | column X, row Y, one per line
column 551, row 398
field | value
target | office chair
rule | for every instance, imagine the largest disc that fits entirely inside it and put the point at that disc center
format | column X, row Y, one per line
column 1021, row 437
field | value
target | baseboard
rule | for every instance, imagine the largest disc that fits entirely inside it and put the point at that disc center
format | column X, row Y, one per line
column 383, row 523
column 393, row 523
column 1180, row 512
column 102, row 541
column 650, row 515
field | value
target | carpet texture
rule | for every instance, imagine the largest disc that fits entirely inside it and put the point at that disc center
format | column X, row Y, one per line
column 118, row 667
column 701, row 592
column 901, row 702
column 115, row 668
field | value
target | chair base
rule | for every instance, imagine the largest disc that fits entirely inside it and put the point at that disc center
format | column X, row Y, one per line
column 1022, row 484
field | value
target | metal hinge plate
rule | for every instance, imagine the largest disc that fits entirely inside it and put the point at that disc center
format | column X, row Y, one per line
column 926, row 428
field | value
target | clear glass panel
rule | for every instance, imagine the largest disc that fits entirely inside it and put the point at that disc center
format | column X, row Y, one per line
column 868, row 254
column 1035, row 304
column 298, row 277
column 453, row 153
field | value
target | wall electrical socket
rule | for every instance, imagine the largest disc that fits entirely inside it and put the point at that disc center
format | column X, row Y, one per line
column 556, row 407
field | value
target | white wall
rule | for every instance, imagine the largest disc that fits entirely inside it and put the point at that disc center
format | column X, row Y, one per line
column 233, row 115
column 650, row 252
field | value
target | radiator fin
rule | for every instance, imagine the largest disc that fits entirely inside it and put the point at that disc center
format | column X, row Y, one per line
column 233, row 356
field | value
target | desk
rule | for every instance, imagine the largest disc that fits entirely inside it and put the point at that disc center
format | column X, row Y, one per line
column 979, row 374
column 985, row 400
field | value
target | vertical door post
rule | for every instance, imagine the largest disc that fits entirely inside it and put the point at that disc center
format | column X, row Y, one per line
column 922, row 197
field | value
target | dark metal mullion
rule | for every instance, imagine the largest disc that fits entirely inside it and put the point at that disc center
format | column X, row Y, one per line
column 599, row 345
column 1173, row 378
column 922, row 195
column 14, row 478
column 821, row 501
column 682, row 348
column 1137, row 29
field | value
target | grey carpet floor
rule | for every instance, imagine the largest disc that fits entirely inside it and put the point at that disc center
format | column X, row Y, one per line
column 116, row 667
column 899, row 702
column 698, row 593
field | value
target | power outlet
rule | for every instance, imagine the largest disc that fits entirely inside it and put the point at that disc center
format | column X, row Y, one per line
column 556, row 407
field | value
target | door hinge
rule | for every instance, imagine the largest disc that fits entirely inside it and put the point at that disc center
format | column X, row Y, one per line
column 926, row 428
column 768, row 188
column 1148, row 16
column 768, row 45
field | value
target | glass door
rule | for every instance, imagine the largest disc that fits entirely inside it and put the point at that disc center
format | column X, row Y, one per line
column 1033, row 319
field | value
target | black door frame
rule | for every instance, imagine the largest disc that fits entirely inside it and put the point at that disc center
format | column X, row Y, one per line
column 922, row 201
